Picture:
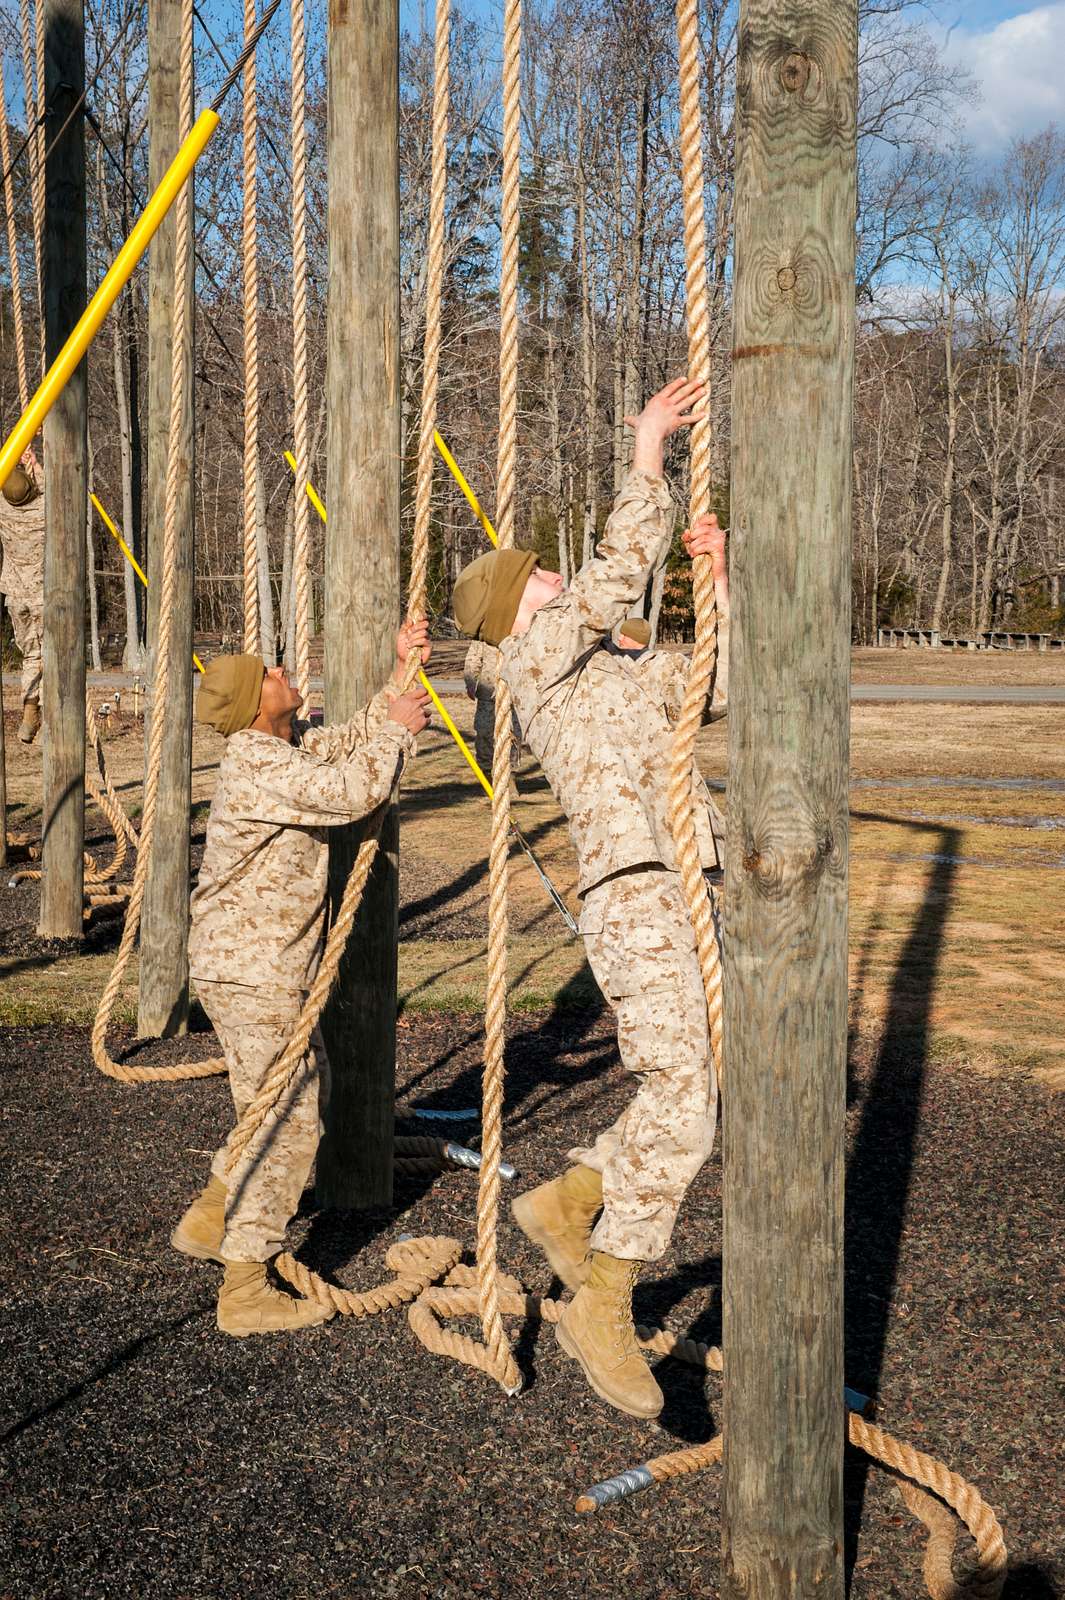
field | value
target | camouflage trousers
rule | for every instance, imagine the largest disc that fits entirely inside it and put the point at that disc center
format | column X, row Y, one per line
column 253, row 1026
column 27, row 624
column 484, row 732
column 641, row 948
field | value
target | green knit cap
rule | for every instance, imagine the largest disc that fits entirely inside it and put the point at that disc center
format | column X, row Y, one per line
column 489, row 591
column 229, row 693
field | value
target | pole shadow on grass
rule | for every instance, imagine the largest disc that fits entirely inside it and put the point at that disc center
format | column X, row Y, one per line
column 880, row 1168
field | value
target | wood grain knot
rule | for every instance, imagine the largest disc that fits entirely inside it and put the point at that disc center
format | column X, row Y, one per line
column 786, row 279
column 795, row 72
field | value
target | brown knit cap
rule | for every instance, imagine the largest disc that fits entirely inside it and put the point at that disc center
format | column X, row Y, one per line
column 228, row 698
column 636, row 629
column 19, row 488
column 489, row 591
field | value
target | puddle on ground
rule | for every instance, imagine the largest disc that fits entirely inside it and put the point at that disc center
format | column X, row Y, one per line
column 1043, row 824
column 944, row 858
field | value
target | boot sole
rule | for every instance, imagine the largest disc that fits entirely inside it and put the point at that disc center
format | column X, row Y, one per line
column 199, row 1252
column 560, row 1265
column 572, row 1349
column 287, row 1327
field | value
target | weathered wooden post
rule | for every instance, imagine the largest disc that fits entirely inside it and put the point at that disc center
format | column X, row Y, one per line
column 65, row 481
column 3, row 753
column 164, row 963
column 786, row 880
column 362, row 564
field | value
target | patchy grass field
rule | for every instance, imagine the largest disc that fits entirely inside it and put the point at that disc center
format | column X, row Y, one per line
column 957, row 866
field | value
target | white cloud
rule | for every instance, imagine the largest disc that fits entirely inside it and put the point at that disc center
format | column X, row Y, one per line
column 1018, row 64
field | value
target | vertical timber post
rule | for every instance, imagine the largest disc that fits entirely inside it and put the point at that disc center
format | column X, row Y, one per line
column 163, row 1002
column 362, row 565
column 786, row 875
column 65, row 481
column 3, row 749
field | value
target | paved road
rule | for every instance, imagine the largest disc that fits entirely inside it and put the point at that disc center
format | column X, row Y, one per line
column 1040, row 694
column 990, row 694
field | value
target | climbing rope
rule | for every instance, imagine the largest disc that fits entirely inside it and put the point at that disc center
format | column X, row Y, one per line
column 682, row 773
column 12, row 251
column 176, row 467
column 253, row 643
column 952, row 1501
column 494, row 1356
column 301, row 527
column 103, row 793
column 880, row 1446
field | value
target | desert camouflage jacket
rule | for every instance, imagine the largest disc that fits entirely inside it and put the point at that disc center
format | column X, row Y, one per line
column 481, row 668
column 258, row 910
column 601, row 724
column 22, row 536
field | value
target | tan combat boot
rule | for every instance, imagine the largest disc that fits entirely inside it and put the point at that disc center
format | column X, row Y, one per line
column 199, row 1233
column 249, row 1303
column 558, row 1218
column 30, row 725
column 596, row 1330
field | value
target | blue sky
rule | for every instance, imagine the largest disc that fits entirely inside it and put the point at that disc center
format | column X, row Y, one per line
column 1018, row 54
column 1016, row 51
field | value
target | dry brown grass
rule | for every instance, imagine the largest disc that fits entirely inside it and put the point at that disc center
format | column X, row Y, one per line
column 955, row 931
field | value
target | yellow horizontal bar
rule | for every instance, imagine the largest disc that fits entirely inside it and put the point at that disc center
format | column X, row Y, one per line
column 457, row 474
column 312, row 492
column 313, row 497
column 114, row 281
column 456, row 735
column 131, row 558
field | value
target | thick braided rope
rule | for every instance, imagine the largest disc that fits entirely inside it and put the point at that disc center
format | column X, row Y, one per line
column 416, row 1263
column 29, row 91
column 433, row 296
column 923, row 1472
column 955, row 1492
column 682, row 771
column 105, row 799
column 103, row 794
column 301, row 526
column 498, row 1358
column 288, row 1062
column 176, row 467
column 12, row 251
column 506, row 472
column 42, row 144
column 458, row 1297
column 253, row 642
column 682, row 802
column 33, row 87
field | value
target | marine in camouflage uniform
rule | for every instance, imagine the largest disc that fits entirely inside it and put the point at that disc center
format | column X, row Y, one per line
column 600, row 721
column 256, row 940
column 480, row 671
column 258, row 928
column 22, row 582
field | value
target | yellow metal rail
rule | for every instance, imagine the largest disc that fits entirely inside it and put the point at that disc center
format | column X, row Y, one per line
column 114, row 281
column 316, row 501
column 131, row 558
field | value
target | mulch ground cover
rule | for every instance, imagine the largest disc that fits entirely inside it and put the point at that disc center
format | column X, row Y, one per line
column 148, row 1455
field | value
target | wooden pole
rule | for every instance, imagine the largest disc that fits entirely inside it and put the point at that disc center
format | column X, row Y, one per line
column 3, row 749
column 164, row 962
column 786, row 875
column 65, row 481
column 362, row 564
